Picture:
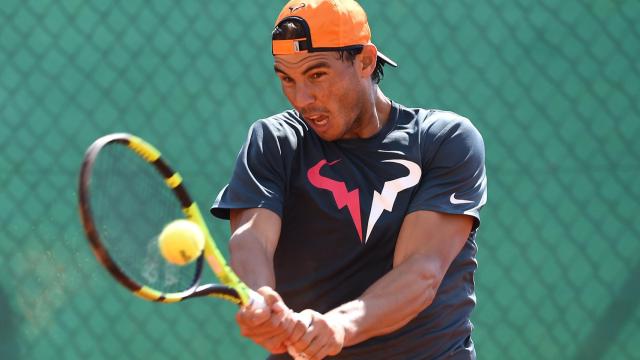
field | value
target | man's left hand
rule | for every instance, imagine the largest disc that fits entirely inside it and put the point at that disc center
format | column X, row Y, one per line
column 324, row 336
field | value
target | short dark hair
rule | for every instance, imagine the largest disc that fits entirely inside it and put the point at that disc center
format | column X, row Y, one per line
column 291, row 29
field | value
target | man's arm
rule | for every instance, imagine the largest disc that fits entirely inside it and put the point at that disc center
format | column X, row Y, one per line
column 427, row 244
column 255, row 234
column 254, row 237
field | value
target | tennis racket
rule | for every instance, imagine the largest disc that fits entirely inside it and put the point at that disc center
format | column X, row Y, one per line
column 127, row 193
column 124, row 204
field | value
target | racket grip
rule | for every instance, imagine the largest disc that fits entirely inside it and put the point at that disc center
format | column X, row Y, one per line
column 256, row 301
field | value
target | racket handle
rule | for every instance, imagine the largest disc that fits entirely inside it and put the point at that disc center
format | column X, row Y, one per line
column 256, row 301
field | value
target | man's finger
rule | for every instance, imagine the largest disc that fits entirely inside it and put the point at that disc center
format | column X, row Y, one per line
column 313, row 350
column 299, row 329
column 251, row 317
column 302, row 344
column 270, row 296
column 273, row 326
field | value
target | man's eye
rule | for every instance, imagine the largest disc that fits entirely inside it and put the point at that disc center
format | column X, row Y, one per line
column 318, row 75
column 287, row 80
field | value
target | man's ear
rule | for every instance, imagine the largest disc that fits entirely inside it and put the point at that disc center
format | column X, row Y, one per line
column 368, row 58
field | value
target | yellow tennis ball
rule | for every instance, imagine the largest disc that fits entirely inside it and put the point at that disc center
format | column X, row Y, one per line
column 181, row 242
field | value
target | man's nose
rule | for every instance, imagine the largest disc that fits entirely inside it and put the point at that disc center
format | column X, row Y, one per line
column 303, row 97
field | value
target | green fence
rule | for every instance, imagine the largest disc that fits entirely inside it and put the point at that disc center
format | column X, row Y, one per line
column 553, row 85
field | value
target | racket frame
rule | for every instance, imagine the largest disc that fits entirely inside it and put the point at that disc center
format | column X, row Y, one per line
column 231, row 287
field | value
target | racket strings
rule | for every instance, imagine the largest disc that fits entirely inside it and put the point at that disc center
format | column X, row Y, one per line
column 131, row 204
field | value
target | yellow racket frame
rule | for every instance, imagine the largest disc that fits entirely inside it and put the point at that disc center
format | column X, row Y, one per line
column 233, row 288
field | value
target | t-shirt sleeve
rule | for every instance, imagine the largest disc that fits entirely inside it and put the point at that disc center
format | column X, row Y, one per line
column 258, row 176
column 454, row 177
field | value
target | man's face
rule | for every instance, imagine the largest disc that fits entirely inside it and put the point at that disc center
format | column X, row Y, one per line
column 329, row 93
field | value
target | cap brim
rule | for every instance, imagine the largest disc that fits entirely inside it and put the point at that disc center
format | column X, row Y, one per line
column 385, row 59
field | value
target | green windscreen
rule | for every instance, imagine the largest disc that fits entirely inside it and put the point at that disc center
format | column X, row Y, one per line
column 553, row 86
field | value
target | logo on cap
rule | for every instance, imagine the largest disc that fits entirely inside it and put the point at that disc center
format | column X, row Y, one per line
column 292, row 8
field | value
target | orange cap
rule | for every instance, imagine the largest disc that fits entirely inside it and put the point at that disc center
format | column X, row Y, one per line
column 329, row 25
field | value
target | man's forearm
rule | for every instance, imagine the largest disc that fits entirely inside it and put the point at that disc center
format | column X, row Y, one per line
column 253, row 241
column 390, row 303
column 251, row 261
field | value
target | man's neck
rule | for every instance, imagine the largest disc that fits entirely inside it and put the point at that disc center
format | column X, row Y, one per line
column 383, row 107
column 375, row 115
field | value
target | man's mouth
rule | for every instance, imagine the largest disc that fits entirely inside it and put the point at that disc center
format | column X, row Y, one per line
column 317, row 119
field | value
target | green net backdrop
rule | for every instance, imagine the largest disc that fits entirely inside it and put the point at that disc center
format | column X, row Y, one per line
column 553, row 85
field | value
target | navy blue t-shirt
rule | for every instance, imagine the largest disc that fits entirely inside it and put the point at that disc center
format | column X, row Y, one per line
column 342, row 204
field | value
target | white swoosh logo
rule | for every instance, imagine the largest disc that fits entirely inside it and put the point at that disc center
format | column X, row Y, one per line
column 455, row 201
column 393, row 152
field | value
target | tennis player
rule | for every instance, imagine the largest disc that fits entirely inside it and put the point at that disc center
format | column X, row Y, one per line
column 351, row 210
